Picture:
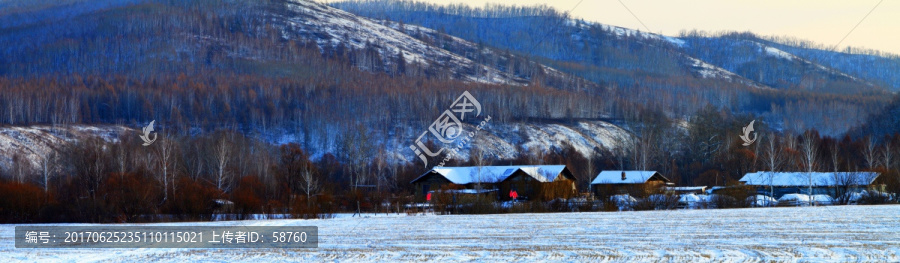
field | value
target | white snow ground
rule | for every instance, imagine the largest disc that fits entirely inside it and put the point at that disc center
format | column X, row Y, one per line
column 817, row 234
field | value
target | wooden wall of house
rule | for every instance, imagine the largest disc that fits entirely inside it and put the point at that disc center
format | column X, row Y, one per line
column 431, row 182
column 634, row 190
column 561, row 188
column 532, row 189
column 524, row 184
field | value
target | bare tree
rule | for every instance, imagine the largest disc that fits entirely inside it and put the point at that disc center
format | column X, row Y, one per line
column 221, row 156
column 870, row 153
column 309, row 183
column 20, row 167
column 809, row 149
column 164, row 156
column 356, row 149
column 774, row 160
column 590, row 170
column 88, row 162
column 384, row 178
column 122, row 157
column 646, row 147
column 48, row 164
column 536, row 155
column 297, row 172
column 194, row 161
column 835, row 156
column 844, row 184
column 622, row 151
column 887, row 154
column 479, row 159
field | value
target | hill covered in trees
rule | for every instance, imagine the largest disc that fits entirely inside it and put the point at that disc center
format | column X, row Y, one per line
column 293, row 105
column 743, row 73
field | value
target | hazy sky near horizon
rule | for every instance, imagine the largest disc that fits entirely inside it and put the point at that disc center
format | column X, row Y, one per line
column 825, row 22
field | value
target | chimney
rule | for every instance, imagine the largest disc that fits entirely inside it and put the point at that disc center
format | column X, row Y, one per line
column 623, row 175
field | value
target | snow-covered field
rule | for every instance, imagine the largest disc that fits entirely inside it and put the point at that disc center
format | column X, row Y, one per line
column 835, row 233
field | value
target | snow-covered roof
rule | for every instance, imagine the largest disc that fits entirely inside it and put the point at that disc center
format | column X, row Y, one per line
column 631, row 177
column 803, row 178
column 494, row 174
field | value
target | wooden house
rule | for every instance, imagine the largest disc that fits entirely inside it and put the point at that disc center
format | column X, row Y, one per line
column 530, row 182
column 777, row 184
column 633, row 183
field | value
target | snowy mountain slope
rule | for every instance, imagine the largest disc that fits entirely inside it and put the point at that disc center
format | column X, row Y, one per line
column 876, row 67
column 508, row 141
column 499, row 141
column 619, row 55
column 505, row 61
column 33, row 143
column 732, row 65
column 673, row 45
column 698, row 67
column 425, row 47
column 769, row 65
column 331, row 26
column 778, row 53
column 627, row 32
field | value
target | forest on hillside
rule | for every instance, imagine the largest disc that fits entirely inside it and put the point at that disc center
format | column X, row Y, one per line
column 656, row 70
column 219, row 77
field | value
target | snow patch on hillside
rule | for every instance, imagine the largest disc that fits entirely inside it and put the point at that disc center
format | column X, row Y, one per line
column 34, row 143
column 627, row 32
column 778, row 53
column 331, row 26
column 498, row 140
column 707, row 70
column 512, row 140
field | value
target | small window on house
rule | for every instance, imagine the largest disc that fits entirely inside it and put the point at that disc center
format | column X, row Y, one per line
column 425, row 188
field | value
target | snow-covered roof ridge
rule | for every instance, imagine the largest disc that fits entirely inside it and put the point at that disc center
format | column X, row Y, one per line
column 631, row 177
column 803, row 178
column 494, row 174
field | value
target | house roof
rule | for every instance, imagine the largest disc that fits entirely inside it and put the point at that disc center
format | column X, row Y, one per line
column 802, row 179
column 494, row 174
column 631, row 177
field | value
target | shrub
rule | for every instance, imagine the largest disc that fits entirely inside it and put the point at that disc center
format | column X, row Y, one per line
column 130, row 197
column 657, row 202
column 248, row 197
column 194, row 200
column 20, row 203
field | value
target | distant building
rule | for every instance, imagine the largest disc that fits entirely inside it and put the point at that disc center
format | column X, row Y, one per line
column 634, row 183
column 832, row 184
column 528, row 181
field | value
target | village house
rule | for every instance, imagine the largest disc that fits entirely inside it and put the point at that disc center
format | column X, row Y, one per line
column 530, row 182
column 633, row 183
column 777, row 184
